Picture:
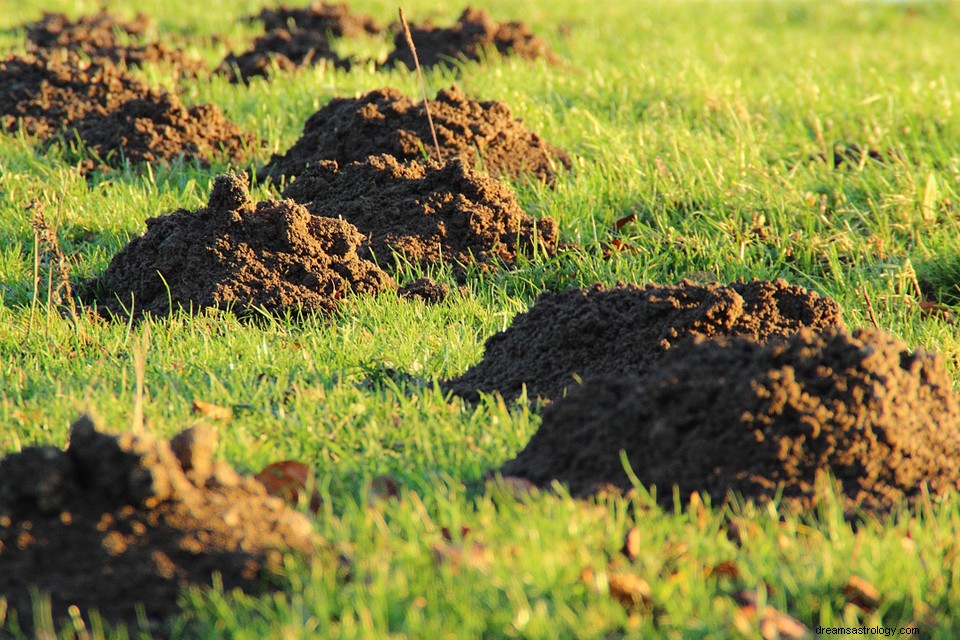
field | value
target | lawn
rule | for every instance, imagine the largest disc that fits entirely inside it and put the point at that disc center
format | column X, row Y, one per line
column 704, row 119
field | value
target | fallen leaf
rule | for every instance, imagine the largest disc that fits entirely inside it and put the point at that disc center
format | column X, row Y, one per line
column 624, row 221
column 286, row 480
column 629, row 589
column 930, row 309
column 861, row 593
column 212, row 411
column 448, row 535
column 726, row 569
column 776, row 625
column 473, row 556
column 631, row 544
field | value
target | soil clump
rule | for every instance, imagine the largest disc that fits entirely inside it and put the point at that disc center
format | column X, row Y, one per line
column 95, row 36
column 470, row 38
column 115, row 522
column 335, row 19
column 285, row 49
column 425, row 290
column 386, row 121
column 627, row 330
column 735, row 415
column 428, row 213
column 156, row 127
column 43, row 94
column 239, row 255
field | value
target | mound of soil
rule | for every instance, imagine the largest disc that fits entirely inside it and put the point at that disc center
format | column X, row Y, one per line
column 115, row 522
column 736, row 415
column 43, row 94
column 627, row 330
column 335, row 19
column 95, row 36
column 286, row 49
column 387, row 121
column 473, row 35
column 429, row 213
column 156, row 127
column 239, row 255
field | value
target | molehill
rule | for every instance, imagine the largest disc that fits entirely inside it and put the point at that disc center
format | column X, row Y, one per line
column 234, row 253
column 386, row 121
column 627, row 330
column 430, row 213
column 732, row 414
column 115, row 522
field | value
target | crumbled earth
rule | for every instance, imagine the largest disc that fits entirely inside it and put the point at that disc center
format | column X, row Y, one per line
column 336, row 19
column 735, row 415
column 116, row 522
column 43, row 94
column 425, row 290
column 239, row 255
column 156, row 127
column 95, row 36
column 285, row 49
column 853, row 156
column 429, row 213
column 627, row 330
column 470, row 38
column 387, row 121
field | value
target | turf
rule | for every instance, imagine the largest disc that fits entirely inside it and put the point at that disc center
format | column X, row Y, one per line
column 702, row 119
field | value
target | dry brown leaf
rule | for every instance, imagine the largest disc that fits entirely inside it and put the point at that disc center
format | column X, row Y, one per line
column 212, row 411
column 473, row 556
column 287, row 480
column 726, row 569
column 861, row 593
column 629, row 589
column 631, row 544
column 773, row 624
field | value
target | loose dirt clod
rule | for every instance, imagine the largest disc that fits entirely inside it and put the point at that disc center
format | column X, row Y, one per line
column 43, row 94
column 735, row 415
column 287, row 49
column 425, row 290
column 156, row 127
column 95, row 36
column 387, row 121
column 474, row 34
column 430, row 213
column 115, row 522
column 234, row 253
column 627, row 330
column 336, row 19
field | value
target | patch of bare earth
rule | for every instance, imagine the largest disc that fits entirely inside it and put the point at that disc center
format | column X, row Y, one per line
column 240, row 255
column 734, row 415
column 117, row 523
column 386, row 121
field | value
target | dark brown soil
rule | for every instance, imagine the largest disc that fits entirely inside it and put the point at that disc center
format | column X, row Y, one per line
column 387, row 121
column 155, row 127
column 336, row 19
column 429, row 213
column 474, row 34
column 627, row 330
column 736, row 415
column 95, row 36
column 425, row 290
column 234, row 253
column 115, row 522
column 43, row 94
column 287, row 49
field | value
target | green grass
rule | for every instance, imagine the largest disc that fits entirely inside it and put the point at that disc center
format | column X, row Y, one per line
column 699, row 117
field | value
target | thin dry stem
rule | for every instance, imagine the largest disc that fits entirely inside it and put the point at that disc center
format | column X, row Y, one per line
column 423, row 85
column 870, row 311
